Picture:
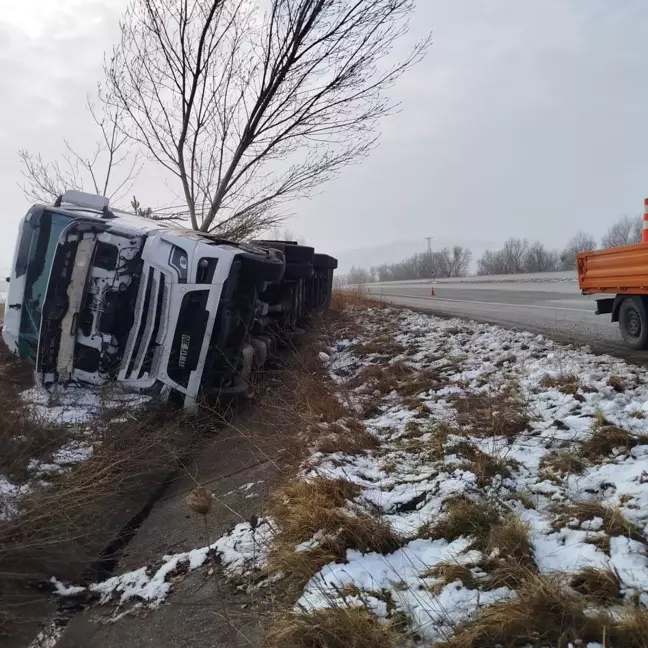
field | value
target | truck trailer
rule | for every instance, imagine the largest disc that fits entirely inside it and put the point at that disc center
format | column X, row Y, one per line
column 620, row 276
column 97, row 295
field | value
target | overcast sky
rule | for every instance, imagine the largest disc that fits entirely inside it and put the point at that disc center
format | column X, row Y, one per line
column 527, row 118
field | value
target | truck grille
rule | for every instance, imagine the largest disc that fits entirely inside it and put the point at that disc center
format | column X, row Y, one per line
column 141, row 347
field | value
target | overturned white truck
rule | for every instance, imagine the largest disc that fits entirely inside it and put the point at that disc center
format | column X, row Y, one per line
column 99, row 295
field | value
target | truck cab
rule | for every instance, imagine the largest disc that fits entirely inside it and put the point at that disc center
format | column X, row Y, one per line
column 98, row 295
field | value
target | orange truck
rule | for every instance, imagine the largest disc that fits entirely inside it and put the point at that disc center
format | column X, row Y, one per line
column 622, row 273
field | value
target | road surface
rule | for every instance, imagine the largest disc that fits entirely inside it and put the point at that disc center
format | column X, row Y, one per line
column 554, row 308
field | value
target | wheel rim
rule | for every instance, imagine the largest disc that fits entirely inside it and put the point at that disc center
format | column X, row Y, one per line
column 633, row 323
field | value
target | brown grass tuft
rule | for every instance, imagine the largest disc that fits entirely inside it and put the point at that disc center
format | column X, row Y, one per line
column 599, row 584
column 449, row 572
column 569, row 462
column 606, row 438
column 617, row 383
column 382, row 345
column 303, row 509
column 614, row 522
column 318, row 399
column 566, row 383
column 468, row 519
column 353, row 298
column 374, row 377
column 483, row 465
column 544, row 614
column 335, row 627
column 349, row 436
column 512, row 559
column 502, row 413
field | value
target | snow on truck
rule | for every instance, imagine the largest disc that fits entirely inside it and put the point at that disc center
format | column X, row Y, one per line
column 99, row 295
column 623, row 273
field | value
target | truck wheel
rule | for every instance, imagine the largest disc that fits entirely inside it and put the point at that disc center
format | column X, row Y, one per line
column 633, row 321
column 296, row 271
column 265, row 269
column 294, row 253
column 325, row 262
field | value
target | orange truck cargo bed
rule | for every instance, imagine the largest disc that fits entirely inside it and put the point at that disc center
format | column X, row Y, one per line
column 615, row 270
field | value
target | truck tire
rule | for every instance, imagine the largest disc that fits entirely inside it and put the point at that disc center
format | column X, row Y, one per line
column 265, row 269
column 633, row 322
column 325, row 262
column 294, row 253
column 296, row 271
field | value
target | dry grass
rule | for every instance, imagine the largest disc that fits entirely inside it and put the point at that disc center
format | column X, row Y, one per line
column 617, row 383
column 419, row 382
column 502, row 413
column 510, row 554
column 563, row 462
column 566, row 383
column 483, row 465
column 614, row 522
column 381, row 345
column 468, row 519
column 303, row 509
column 599, row 584
column 335, row 627
column 603, row 441
column 346, row 435
column 64, row 526
column 23, row 436
column 544, row 614
column 398, row 376
column 377, row 378
column 448, row 573
column 606, row 438
column 353, row 298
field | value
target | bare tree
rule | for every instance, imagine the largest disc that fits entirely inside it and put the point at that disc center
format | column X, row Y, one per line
column 358, row 276
column 539, row 259
column 249, row 109
column 580, row 242
column 626, row 231
column 456, row 260
column 109, row 170
column 509, row 260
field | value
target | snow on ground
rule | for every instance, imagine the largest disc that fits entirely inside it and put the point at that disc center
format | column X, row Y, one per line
column 79, row 413
column 10, row 495
column 567, row 394
column 77, row 404
column 241, row 553
column 462, row 412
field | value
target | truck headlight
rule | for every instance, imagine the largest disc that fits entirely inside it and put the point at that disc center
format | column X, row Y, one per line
column 179, row 261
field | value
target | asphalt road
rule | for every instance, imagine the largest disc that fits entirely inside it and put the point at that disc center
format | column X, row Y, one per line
column 554, row 308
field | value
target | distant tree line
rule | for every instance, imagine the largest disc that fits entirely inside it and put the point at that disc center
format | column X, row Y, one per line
column 516, row 256
column 448, row 262
column 519, row 255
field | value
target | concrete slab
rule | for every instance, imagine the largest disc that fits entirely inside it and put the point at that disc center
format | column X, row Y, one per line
column 241, row 466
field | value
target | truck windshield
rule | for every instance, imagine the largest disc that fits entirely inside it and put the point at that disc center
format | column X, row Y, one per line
column 44, row 233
